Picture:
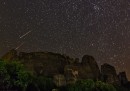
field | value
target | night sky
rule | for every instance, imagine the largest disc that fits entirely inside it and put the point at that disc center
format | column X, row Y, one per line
column 100, row 28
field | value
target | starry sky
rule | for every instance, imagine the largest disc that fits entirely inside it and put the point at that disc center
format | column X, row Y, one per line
column 100, row 28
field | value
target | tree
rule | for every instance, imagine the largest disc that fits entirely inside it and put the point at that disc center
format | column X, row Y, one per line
column 4, row 76
column 13, row 76
column 82, row 85
column 104, row 86
column 87, row 85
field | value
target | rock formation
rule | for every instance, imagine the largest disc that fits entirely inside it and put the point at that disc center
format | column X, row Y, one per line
column 87, row 69
column 109, row 74
column 88, row 62
column 40, row 63
column 50, row 64
column 66, row 70
column 122, row 77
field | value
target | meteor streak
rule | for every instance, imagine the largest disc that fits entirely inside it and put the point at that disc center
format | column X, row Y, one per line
column 25, row 34
column 19, row 46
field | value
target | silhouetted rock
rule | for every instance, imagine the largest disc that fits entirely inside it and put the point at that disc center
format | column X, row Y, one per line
column 109, row 74
column 122, row 77
column 50, row 64
column 65, row 70
column 91, row 67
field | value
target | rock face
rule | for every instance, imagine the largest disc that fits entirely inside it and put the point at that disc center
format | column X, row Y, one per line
column 90, row 66
column 109, row 74
column 66, row 70
column 87, row 69
column 50, row 64
column 47, row 64
column 40, row 63
column 122, row 77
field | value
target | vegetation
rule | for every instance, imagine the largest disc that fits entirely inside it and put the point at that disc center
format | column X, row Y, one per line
column 90, row 85
column 13, row 76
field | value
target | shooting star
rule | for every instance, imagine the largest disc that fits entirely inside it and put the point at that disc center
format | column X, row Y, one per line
column 25, row 34
column 19, row 46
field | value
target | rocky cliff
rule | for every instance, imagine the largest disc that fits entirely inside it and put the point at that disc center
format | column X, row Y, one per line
column 40, row 63
column 51, row 64
column 65, row 70
column 86, row 69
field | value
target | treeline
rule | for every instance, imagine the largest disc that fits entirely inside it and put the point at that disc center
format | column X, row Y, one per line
column 14, row 77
